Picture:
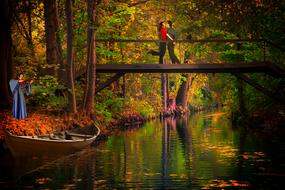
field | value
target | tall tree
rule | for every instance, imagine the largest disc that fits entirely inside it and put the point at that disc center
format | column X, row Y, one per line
column 6, row 68
column 88, row 105
column 53, row 47
column 30, row 37
column 69, row 65
column 183, row 92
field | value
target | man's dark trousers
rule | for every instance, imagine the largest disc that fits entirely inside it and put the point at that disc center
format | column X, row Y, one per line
column 173, row 57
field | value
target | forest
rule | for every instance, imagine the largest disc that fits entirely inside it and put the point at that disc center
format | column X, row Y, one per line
column 56, row 43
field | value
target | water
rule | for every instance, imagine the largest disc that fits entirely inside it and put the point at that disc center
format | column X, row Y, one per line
column 199, row 152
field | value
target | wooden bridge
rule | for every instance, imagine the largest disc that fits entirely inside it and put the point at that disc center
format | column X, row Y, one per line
column 238, row 69
column 241, row 67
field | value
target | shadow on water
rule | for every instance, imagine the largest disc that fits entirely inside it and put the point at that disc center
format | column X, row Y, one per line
column 13, row 168
column 197, row 152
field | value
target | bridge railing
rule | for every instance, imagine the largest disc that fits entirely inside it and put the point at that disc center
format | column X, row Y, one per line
column 264, row 43
column 193, row 41
column 265, row 53
column 198, row 51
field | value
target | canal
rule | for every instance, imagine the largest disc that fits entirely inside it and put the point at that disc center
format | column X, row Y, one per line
column 202, row 151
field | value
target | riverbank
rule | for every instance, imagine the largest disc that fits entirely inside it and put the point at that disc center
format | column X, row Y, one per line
column 42, row 122
column 39, row 123
column 271, row 123
column 267, row 122
column 126, row 120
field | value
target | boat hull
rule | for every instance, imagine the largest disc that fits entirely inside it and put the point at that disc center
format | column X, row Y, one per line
column 26, row 145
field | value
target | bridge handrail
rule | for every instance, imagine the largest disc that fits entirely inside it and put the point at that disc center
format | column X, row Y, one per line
column 196, row 41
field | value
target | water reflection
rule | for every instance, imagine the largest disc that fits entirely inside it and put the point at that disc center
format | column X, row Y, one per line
column 196, row 152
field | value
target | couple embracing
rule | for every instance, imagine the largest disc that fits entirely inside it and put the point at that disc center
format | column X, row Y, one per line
column 167, row 37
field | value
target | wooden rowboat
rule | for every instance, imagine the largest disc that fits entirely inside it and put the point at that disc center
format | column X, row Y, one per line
column 68, row 141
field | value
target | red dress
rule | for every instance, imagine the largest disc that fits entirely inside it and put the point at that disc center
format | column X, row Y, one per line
column 163, row 33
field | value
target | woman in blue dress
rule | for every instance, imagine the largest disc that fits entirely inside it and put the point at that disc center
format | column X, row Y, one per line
column 19, row 87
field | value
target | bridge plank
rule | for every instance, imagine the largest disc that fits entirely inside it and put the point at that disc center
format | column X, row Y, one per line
column 253, row 67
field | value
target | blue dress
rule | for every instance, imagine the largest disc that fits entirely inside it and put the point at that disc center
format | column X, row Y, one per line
column 19, row 104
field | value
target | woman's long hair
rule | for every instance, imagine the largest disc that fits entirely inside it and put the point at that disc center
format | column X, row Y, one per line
column 160, row 26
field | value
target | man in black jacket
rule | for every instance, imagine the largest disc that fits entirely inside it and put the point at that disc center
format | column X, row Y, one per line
column 171, row 35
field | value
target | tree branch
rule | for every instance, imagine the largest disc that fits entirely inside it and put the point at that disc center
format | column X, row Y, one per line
column 18, row 20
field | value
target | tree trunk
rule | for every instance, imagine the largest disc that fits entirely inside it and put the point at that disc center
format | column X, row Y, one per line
column 124, row 77
column 61, row 72
column 240, row 88
column 53, row 47
column 163, row 92
column 167, row 87
column 6, row 66
column 183, row 91
column 185, row 104
column 69, row 64
column 124, row 87
column 30, row 37
column 88, row 106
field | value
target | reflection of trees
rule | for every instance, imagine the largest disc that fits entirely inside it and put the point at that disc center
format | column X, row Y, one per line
column 165, row 151
column 27, row 169
column 132, row 157
column 242, row 149
column 175, row 132
column 57, row 171
column 185, row 136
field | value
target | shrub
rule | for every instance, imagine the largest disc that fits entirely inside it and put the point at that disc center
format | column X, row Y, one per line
column 44, row 93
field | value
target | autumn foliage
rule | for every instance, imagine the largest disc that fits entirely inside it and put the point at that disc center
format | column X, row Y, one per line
column 38, row 124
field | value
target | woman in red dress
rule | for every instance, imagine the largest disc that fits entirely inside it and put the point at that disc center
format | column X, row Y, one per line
column 163, row 38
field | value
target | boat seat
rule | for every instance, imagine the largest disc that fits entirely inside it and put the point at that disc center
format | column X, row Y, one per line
column 56, row 137
column 69, row 134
